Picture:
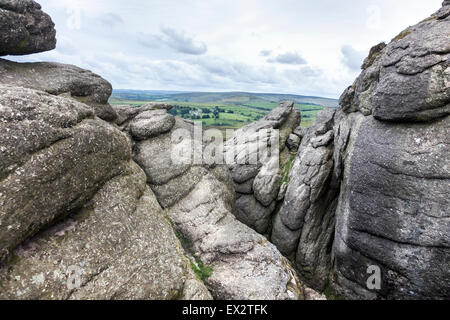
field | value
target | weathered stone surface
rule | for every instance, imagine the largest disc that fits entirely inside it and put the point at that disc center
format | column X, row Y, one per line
column 149, row 124
column 54, row 156
column 120, row 243
column 252, row 213
column 304, row 227
column 409, row 79
column 244, row 188
column 300, row 131
column 393, row 205
column 61, row 79
column 73, row 204
column 293, row 142
column 125, row 114
column 200, row 201
column 266, row 188
column 25, row 28
column 245, row 265
column 394, row 210
column 249, row 164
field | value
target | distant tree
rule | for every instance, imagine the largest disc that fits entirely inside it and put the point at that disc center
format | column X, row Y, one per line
column 216, row 113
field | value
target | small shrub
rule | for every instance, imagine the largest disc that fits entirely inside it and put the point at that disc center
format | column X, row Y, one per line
column 203, row 272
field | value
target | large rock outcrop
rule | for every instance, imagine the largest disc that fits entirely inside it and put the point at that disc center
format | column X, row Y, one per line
column 303, row 228
column 257, row 178
column 200, row 200
column 74, row 204
column 383, row 179
column 25, row 28
column 393, row 209
column 61, row 79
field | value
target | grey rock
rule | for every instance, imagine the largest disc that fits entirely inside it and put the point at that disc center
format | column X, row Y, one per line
column 200, row 201
column 394, row 210
column 243, row 173
column 54, row 156
column 125, row 114
column 156, row 106
column 322, row 141
column 248, row 165
column 266, row 188
column 282, row 192
column 409, row 79
column 149, row 124
column 252, row 213
column 73, row 204
column 60, row 79
column 393, row 169
column 300, row 132
column 293, row 142
column 304, row 227
column 244, row 188
column 245, row 265
column 25, row 28
column 120, row 244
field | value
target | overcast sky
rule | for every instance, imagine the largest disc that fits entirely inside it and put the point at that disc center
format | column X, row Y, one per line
column 282, row 46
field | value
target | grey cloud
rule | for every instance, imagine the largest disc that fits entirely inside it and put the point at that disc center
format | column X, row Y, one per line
column 352, row 58
column 182, row 43
column 265, row 53
column 149, row 40
column 288, row 58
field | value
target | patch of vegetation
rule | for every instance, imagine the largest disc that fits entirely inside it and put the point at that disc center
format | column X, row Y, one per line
column 402, row 34
column 203, row 272
column 287, row 169
column 184, row 242
column 182, row 238
column 24, row 41
column 330, row 293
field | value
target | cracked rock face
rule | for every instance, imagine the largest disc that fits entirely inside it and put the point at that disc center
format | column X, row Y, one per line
column 258, row 184
column 54, row 156
column 392, row 157
column 61, row 79
column 75, row 206
column 303, row 229
column 200, row 200
column 25, row 28
column 379, row 170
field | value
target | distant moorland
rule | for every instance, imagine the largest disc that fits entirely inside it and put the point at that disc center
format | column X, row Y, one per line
column 223, row 109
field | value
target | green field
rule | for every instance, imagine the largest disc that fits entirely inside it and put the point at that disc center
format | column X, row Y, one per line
column 222, row 110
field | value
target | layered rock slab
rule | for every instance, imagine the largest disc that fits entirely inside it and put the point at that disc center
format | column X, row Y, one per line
column 393, row 206
column 393, row 211
column 258, row 179
column 61, row 79
column 54, row 156
column 25, row 28
column 303, row 229
column 77, row 218
column 118, row 246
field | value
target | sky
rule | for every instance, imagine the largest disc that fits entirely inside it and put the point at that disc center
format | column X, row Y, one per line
column 275, row 46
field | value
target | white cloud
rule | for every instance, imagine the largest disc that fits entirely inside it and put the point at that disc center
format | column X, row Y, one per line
column 352, row 58
column 224, row 45
column 288, row 58
column 265, row 53
column 182, row 42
